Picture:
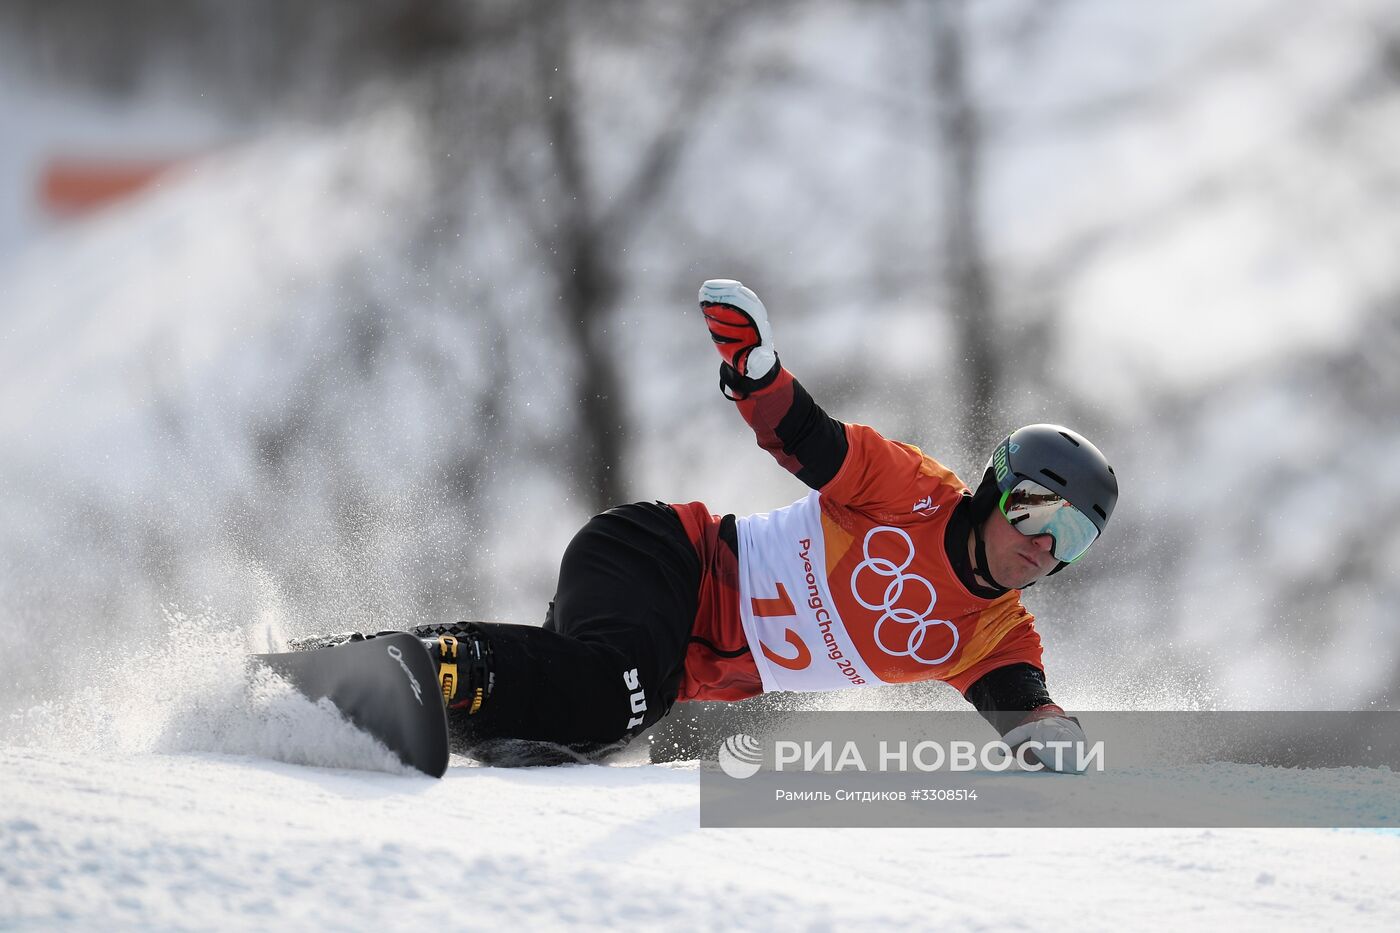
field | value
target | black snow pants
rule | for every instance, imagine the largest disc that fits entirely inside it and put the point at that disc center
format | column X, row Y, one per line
column 608, row 662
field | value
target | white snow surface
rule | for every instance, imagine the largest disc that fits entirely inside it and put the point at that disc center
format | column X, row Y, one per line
column 182, row 793
column 209, row 841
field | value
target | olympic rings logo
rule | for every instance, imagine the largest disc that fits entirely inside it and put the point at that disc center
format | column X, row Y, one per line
column 914, row 626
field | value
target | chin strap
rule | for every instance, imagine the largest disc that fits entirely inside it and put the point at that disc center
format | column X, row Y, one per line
column 979, row 564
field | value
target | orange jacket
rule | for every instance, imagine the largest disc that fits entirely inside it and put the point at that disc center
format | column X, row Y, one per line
column 850, row 586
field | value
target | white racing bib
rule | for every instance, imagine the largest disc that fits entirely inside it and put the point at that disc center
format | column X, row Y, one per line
column 793, row 628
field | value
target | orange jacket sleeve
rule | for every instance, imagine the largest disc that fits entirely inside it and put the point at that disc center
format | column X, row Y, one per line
column 792, row 427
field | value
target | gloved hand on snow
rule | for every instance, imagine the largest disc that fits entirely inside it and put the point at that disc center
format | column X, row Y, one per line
column 1046, row 726
column 738, row 325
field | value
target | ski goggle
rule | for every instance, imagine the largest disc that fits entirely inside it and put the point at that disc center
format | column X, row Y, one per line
column 1034, row 510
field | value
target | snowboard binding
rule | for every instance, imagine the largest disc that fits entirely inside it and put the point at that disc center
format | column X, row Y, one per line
column 463, row 659
column 460, row 652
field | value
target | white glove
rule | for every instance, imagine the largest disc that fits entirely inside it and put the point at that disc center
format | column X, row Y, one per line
column 738, row 325
column 1044, row 731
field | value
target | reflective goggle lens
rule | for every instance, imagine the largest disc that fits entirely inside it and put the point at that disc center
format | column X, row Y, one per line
column 1034, row 510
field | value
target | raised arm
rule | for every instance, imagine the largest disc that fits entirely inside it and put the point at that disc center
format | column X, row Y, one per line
column 849, row 463
column 786, row 421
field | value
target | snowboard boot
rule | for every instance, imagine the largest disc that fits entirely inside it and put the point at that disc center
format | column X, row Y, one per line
column 462, row 656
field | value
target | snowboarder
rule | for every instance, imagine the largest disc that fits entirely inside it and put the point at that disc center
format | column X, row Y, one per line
column 890, row 570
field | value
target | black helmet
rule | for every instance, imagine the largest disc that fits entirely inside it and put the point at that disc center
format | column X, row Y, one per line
column 1057, row 458
column 1061, row 461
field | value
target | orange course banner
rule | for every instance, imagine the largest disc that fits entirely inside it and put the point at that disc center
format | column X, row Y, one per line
column 71, row 187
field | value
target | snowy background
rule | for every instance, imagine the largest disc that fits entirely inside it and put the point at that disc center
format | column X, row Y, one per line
column 414, row 297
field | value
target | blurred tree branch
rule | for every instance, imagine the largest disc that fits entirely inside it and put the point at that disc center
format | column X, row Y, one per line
column 958, row 141
column 582, row 231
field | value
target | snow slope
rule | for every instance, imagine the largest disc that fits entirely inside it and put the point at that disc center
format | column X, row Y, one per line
column 177, row 792
column 211, row 841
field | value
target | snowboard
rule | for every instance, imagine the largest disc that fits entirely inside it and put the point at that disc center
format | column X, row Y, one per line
column 385, row 685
